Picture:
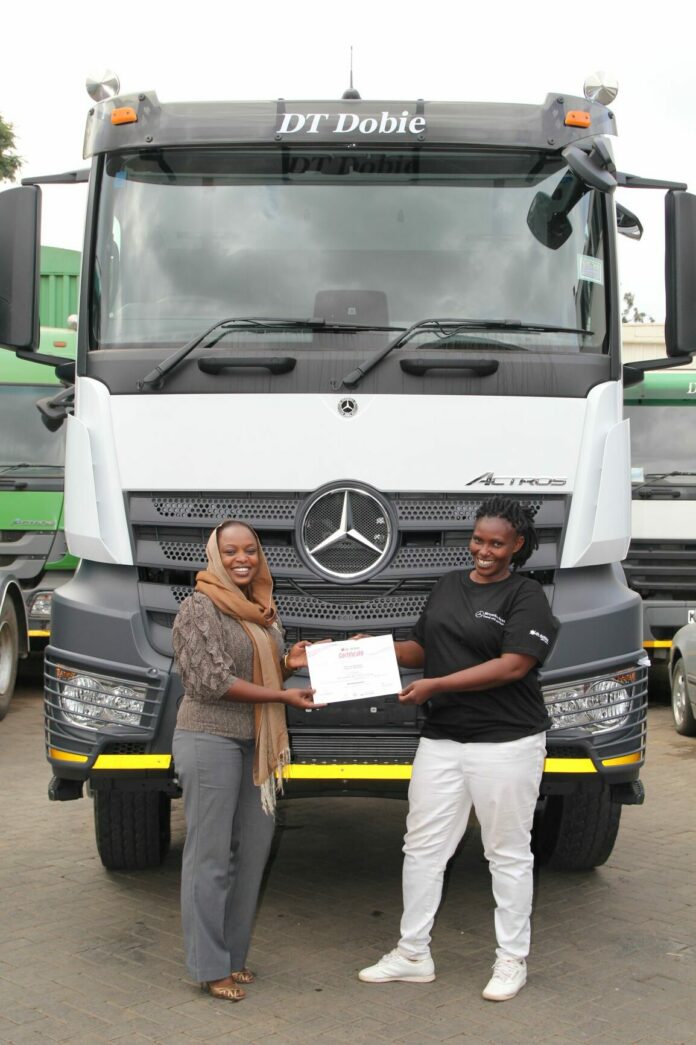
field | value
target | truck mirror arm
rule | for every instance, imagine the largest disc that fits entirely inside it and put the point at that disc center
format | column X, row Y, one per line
column 634, row 181
column 68, row 178
column 54, row 409
column 633, row 372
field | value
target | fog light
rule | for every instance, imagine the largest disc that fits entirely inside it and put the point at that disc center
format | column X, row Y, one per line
column 91, row 701
column 596, row 705
column 40, row 605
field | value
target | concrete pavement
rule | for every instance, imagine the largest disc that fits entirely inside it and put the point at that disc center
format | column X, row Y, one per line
column 88, row 956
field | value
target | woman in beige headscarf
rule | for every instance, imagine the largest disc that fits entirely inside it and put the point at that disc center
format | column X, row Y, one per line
column 230, row 739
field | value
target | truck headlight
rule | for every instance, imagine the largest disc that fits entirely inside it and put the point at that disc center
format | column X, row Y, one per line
column 596, row 704
column 40, row 604
column 91, row 701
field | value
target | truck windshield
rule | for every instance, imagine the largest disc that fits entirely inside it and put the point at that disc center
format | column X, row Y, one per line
column 663, row 441
column 187, row 237
column 24, row 440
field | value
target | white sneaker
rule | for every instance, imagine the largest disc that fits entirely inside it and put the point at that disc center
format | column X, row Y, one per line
column 394, row 966
column 509, row 977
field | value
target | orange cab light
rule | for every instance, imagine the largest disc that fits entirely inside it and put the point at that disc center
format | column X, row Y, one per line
column 124, row 115
column 577, row 118
column 60, row 344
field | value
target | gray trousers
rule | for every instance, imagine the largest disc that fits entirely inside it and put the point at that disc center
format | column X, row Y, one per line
column 228, row 839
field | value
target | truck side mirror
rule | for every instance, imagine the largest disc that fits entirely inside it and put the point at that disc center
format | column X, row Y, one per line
column 627, row 223
column 680, row 273
column 20, row 225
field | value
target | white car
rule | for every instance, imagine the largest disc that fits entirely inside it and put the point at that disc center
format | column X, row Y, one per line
column 682, row 672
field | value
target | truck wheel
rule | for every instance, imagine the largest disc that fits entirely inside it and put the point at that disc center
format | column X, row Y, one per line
column 9, row 654
column 684, row 721
column 576, row 832
column 132, row 828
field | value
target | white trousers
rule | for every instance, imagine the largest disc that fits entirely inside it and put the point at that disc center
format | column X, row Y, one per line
column 501, row 781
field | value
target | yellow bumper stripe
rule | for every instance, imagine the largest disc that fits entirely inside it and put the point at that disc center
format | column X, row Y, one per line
column 569, row 765
column 367, row 771
column 65, row 756
column 657, row 644
column 133, row 762
column 363, row 771
column 622, row 760
column 304, row 771
column 36, row 634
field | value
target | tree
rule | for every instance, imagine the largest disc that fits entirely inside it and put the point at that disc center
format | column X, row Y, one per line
column 10, row 162
column 630, row 312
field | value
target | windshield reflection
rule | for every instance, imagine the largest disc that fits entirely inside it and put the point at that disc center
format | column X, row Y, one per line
column 24, row 440
column 385, row 239
column 663, row 440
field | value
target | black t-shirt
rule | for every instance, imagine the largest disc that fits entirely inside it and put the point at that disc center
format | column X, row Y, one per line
column 465, row 623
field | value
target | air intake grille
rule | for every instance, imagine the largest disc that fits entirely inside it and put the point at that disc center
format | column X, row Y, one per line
column 405, row 544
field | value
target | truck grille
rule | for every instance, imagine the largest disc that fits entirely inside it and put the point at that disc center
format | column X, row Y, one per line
column 662, row 569
column 170, row 530
column 24, row 552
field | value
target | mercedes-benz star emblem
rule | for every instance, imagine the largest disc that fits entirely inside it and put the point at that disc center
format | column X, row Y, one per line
column 346, row 533
column 347, row 407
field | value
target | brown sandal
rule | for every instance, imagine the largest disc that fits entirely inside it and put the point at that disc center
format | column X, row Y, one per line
column 226, row 991
column 243, row 976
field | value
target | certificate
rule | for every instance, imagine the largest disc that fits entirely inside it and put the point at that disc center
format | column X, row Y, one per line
column 353, row 670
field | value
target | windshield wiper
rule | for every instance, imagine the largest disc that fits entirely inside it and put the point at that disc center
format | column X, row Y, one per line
column 261, row 324
column 448, row 330
column 14, row 467
column 653, row 478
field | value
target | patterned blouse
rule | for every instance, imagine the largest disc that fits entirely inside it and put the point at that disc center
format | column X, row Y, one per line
column 212, row 651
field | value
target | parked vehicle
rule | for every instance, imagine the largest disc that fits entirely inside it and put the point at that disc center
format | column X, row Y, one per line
column 661, row 561
column 682, row 670
column 34, row 558
column 404, row 307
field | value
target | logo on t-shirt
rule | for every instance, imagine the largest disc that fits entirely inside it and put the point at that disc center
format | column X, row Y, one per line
column 539, row 635
column 490, row 616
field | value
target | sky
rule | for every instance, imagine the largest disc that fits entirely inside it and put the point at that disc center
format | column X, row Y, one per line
column 503, row 51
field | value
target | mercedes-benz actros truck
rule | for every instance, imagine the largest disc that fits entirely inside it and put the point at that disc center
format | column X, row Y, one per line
column 347, row 322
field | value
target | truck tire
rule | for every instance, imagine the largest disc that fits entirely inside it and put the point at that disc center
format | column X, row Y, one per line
column 576, row 832
column 682, row 712
column 9, row 653
column 131, row 828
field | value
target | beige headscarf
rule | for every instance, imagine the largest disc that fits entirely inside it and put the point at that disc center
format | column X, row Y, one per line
column 256, row 612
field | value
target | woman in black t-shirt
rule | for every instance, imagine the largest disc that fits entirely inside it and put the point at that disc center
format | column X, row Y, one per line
column 479, row 641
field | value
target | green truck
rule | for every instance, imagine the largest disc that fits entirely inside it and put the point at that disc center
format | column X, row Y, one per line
column 661, row 562
column 34, row 558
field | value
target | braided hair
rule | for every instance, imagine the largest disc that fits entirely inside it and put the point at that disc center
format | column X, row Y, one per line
column 521, row 520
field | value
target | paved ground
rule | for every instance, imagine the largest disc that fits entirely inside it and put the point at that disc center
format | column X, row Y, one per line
column 87, row 956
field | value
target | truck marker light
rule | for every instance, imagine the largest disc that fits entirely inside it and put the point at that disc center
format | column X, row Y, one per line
column 65, row 756
column 621, row 760
column 124, row 115
column 577, row 118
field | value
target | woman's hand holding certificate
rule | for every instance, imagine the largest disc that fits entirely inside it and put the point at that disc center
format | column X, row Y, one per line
column 354, row 669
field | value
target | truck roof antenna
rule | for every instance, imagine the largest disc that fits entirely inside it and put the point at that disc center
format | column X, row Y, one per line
column 351, row 92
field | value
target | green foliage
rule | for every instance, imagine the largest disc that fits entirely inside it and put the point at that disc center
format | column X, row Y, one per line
column 630, row 313
column 10, row 162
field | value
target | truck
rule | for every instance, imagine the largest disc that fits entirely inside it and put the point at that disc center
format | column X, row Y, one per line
column 34, row 558
column 661, row 561
column 346, row 322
